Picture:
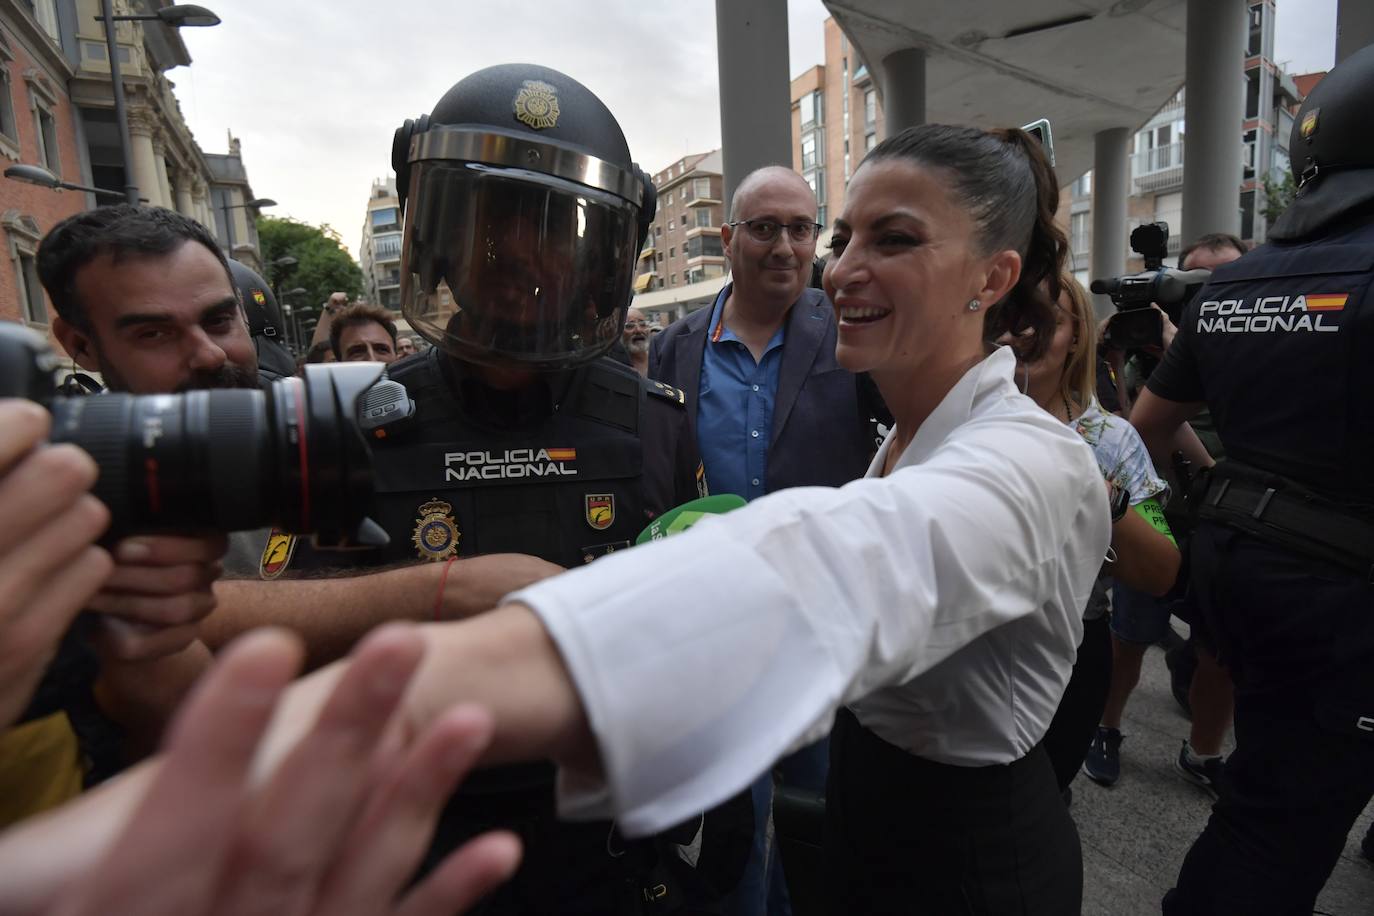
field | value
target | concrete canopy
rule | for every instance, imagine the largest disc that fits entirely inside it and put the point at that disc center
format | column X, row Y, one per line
column 1087, row 65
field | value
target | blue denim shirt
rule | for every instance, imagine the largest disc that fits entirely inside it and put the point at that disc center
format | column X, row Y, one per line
column 735, row 408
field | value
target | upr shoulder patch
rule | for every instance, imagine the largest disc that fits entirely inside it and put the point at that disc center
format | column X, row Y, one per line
column 666, row 392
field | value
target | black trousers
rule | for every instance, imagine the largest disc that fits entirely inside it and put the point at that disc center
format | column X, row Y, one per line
column 910, row 836
column 1080, row 710
column 1298, row 637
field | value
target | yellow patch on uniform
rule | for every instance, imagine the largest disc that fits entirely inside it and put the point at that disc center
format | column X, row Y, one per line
column 600, row 509
column 536, row 104
column 1309, row 124
column 277, row 554
column 259, row 297
column 436, row 531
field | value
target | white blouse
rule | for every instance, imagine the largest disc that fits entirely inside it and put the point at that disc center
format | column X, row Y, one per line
column 944, row 601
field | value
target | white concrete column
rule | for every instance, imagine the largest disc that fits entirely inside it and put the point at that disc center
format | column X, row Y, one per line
column 141, row 129
column 1354, row 27
column 185, row 205
column 164, row 183
column 1214, row 110
column 755, row 87
column 1111, row 185
column 904, row 89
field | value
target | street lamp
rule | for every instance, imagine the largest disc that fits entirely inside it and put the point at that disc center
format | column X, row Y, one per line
column 257, row 203
column 175, row 16
column 36, row 174
column 292, row 317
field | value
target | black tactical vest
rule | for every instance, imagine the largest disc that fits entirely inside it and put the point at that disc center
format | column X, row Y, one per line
column 1281, row 347
column 567, row 472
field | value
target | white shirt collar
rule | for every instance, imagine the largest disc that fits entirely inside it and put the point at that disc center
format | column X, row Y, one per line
column 992, row 375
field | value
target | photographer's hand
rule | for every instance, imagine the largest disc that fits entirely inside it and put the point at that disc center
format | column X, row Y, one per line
column 49, row 566
column 1167, row 331
column 158, row 594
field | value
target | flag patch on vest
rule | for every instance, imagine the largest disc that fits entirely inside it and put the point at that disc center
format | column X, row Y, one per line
column 600, row 510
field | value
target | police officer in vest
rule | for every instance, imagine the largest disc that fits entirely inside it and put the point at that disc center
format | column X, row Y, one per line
column 524, row 217
column 1280, row 347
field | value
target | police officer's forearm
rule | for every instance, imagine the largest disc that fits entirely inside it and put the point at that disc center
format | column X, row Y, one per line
column 332, row 614
column 141, row 696
column 1162, row 425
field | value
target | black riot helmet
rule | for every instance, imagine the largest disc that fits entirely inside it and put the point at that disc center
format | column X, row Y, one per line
column 1332, row 149
column 524, row 216
column 264, row 322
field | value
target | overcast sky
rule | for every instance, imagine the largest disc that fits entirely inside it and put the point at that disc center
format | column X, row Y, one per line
column 315, row 91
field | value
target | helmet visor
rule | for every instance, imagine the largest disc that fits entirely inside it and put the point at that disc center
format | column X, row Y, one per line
column 505, row 267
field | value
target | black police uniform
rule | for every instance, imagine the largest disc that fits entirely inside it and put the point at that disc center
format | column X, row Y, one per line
column 568, row 470
column 1280, row 345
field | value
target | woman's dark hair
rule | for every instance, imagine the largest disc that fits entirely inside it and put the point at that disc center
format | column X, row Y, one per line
column 1006, row 184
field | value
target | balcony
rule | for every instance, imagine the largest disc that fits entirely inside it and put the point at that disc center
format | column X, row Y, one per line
column 648, row 252
column 703, row 201
column 645, row 281
column 1158, row 169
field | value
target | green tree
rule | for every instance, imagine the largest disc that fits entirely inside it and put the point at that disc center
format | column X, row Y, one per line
column 323, row 265
column 1277, row 196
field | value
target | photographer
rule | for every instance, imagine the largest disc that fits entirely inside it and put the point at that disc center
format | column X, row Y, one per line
column 1278, row 347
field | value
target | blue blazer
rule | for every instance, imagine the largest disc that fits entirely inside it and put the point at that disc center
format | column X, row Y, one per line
column 822, row 432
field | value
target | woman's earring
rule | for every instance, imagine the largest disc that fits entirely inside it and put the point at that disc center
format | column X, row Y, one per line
column 974, row 305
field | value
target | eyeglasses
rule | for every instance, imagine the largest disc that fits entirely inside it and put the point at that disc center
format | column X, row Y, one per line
column 766, row 230
column 636, row 323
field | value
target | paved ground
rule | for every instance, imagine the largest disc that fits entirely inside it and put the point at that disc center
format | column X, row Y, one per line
column 1136, row 833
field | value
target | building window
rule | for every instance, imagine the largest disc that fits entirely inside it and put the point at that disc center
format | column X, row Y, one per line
column 1256, row 44
column 47, row 141
column 1080, row 232
column 43, row 100
column 1083, row 187
column 870, row 141
column 9, row 126
column 701, row 188
column 671, row 225
column 708, row 245
column 808, row 151
column 45, row 11
column 870, row 108
column 683, row 195
column 658, row 257
column 31, row 290
column 820, row 214
column 23, row 234
column 703, row 219
column 672, row 279
column 386, row 219
column 658, row 232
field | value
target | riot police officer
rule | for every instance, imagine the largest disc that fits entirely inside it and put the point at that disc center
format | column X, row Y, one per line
column 1280, row 347
column 524, row 216
column 264, row 319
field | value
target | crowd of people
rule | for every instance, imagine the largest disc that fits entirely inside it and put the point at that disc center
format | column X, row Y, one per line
column 961, row 529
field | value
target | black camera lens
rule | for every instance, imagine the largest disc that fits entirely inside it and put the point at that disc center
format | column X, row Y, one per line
column 290, row 456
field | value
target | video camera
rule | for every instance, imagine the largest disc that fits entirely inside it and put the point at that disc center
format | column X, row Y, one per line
column 290, row 455
column 1136, row 325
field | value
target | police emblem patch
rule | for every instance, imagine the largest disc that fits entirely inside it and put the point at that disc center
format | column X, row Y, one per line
column 259, row 297
column 436, row 531
column 600, row 510
column 277, row 554
column 536, row 104
column 1309, row 124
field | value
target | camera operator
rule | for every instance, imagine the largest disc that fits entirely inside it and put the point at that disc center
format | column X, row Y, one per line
column 1278, row 347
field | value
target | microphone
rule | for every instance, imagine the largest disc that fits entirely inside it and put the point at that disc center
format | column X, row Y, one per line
column 680, row 518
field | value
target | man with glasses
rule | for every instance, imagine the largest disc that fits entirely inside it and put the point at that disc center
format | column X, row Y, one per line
column 635, row 339
column 768, row 404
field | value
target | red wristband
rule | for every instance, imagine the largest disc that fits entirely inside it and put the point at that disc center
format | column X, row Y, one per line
column 439, row 598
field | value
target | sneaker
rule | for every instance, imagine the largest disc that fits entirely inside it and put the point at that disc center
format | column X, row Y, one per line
column 1204, row 772
column 1182, row 662
column 1103, row 763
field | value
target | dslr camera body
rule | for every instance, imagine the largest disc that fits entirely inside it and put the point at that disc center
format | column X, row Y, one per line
column 1136, row 325
column 290, row 455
